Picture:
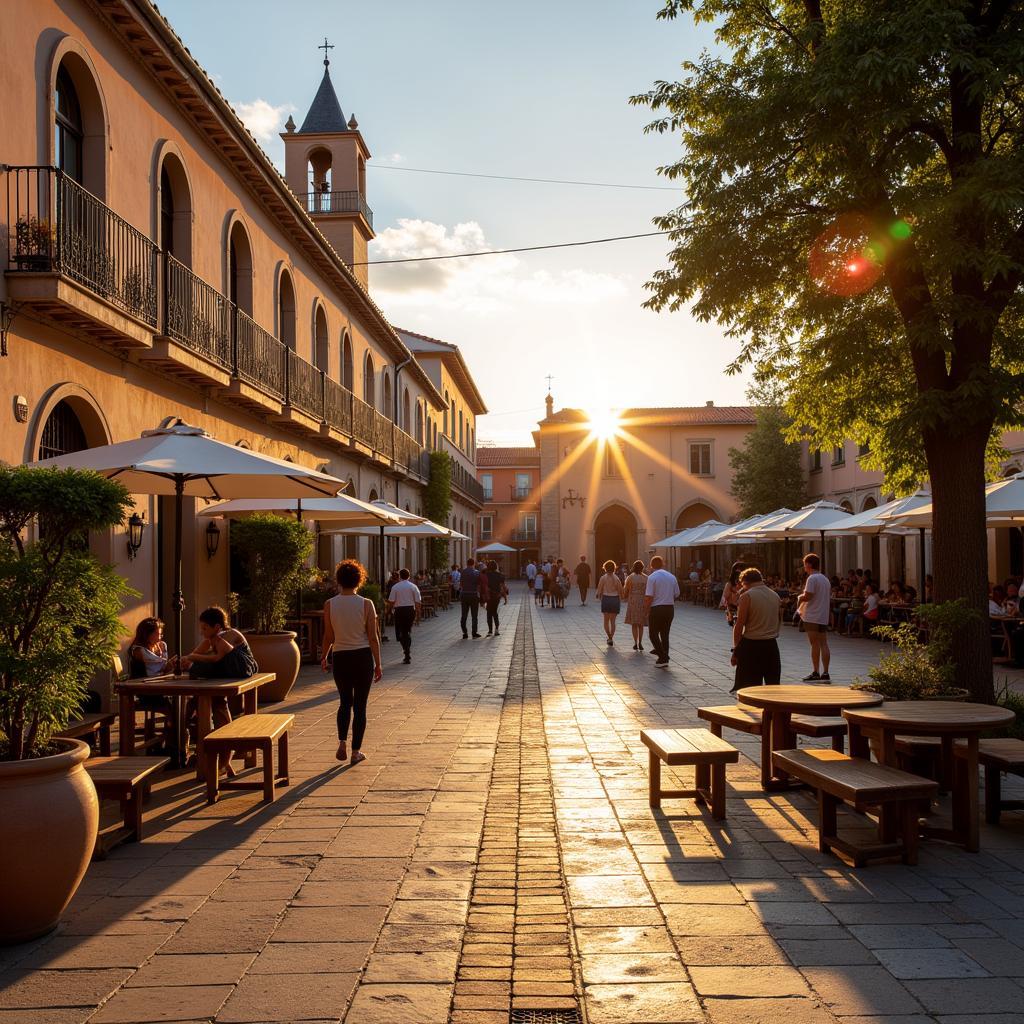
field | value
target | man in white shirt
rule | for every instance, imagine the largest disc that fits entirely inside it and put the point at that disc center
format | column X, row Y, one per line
column 659, row 603
column 531, row 573
column 815, row 606
column 406, row 603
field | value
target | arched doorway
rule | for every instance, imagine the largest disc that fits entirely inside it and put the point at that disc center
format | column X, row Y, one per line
column 615, row 535
column 286, row 310
column 694, row 515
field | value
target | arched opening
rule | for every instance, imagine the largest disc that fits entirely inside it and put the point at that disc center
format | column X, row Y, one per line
column 615, row 535
column 447, row 401
column 319, row 178
column 419, row 423
column 62, row 432
column 240, row 268
column 385, row 393
column 461, row 436
column 79, row 124
column 368, row 381
column 175, row 210
column 694, row 515
column 286, row 310
column 406, row 412
column 868, row 503
column 321, row 345
column 347, row 373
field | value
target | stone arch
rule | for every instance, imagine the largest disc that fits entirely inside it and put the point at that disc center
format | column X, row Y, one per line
column 406, row 412
column 285, row 306
column 319, row 178
column 238, row 262
column 693, row 513
column 373, row 494
column 321, row 337
column 869, row 502
column 369, row 380
column 616, row 530
column 85, row 407
column 386, row 406
column 71, row 56
column 172, row 201
column 419, row 423
column 347, row 365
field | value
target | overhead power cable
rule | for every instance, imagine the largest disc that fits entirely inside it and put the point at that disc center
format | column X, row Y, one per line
column 512, row 177
column 501, row 252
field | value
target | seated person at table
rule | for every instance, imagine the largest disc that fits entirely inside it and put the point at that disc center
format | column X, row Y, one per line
column 147, row 656
column 996, row 601
column 869, row 613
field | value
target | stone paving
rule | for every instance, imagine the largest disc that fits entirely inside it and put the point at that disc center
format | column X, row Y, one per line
column 497, row 853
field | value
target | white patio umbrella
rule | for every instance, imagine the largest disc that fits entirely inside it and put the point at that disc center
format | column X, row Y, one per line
column 1004, row 505
column 808, row 522
column 340, row 509
column 496, row 548
column 180, row 459
column 690, row 536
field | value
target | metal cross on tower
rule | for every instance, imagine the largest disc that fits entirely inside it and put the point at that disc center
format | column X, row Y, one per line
column 325, row 47
column 549, row 379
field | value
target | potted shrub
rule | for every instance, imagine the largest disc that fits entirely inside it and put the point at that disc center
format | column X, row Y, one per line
column 58, row 625
column 33, row 243
column 274, row 549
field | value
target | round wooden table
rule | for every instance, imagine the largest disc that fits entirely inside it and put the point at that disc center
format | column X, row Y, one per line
column 947, row 719
column 779, row 703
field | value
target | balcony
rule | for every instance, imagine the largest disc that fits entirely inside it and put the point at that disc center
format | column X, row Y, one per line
column 525, row 536
column 79, row 263
column 467, row 483
column 73, row 258
column 318, row 203
column 519, row 493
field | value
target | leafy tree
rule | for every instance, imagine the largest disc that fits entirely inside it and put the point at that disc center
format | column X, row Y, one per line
column 275, row 549
column 58, row 605
column 854, row 176
column 437, row 504
column 766, row 471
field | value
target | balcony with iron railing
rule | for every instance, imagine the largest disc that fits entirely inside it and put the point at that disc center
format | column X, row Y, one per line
column 519, row 493
column 337, row 202
column 467, row 483
column 58, row 229
column 524, row 536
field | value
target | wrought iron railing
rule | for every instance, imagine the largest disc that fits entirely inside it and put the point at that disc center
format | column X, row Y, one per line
column 383, row 434
column 338, row 406
column 195, row 314
column 519, row 493
column 57, row 226
column 338, row 202
column 362, row 421
column 259, row 356
column 524, row 536
column 305, row 386
column 467, row 483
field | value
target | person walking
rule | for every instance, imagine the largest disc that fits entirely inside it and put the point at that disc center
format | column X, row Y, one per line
column 634, row 593
column 353, row 647
column 496, row 590
column 531, row 574
column 609, row 591
column 755, row 645
column 455, row 579
column 538, row 588
column 471, row 598
column 406, row 605
column 814, row 606
column 731, row 593
column 660, row 595
column 582, row 574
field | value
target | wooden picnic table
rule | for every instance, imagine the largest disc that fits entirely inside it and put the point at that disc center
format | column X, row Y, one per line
column 179, row 687
column 779, row 703
column 947, row 719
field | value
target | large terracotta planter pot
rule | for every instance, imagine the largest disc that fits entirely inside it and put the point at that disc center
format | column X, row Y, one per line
column 277, row 653
column 49, row 815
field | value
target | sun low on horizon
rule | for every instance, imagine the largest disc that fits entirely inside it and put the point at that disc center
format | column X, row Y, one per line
column 604, row 423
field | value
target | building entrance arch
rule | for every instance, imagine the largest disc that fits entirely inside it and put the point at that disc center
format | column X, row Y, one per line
column 615, row 535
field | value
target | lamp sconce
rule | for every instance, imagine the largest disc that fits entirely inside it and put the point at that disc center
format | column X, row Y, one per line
column 212, row 538
column 136, row 528
column 572, row 498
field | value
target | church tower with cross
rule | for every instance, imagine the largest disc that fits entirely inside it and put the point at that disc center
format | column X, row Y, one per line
column 325, row 166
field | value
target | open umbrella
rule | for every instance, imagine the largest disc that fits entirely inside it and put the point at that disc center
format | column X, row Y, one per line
column 691, row 536
column 340, row 509
column 883, row 519
column 1004, row 505
column 809, row 522
column 180, row 459
column 496, row 548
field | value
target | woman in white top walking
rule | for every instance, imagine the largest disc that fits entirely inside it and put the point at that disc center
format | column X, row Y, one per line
column 609, row 590
column 350, row 632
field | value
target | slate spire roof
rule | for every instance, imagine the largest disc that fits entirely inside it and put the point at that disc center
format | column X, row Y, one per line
column 325, row 112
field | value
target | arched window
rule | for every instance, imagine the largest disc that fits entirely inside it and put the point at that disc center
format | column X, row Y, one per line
column 62, row 433
column 368, row 380
column 347, row 375
column 406, row 412
column 349, row 488
column 445, row 429
column 373, row 494
column 419, row 423
column 69, row 134
column 318, row 169
column 385, row 393
column 286, row 310
column 175, row 222
column 240, row 268
column 460, row 429
column 321, row 346
column 472, row 441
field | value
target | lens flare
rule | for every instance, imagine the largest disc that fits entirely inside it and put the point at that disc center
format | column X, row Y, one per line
column 603, row 423
column 845, row 259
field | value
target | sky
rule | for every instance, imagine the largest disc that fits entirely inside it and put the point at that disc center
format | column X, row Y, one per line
column 531, row 89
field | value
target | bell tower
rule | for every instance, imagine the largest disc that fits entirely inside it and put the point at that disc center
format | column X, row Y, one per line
column 325, row 166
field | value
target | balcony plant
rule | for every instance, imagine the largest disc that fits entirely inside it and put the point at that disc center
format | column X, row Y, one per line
column 275, row 550
column 58, row 625
column 34, row 242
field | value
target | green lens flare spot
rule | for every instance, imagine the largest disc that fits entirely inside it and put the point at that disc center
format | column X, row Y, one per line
column 900, row 230
column 874, row 252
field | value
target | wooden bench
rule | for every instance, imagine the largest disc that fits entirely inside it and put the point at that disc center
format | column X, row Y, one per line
column 125, row 779
column 744, row 719
column 91, row 725
column 839, row 777
column 997, row 756
column 248, row 733
column 709, row 754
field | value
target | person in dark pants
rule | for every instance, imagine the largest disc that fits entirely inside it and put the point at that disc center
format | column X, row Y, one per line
column 352, row 643
column 406, row 604
column 659, row 600
column 471, row 598
column 755, row 632
column 496, row 590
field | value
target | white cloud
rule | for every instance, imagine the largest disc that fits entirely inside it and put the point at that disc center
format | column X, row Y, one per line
column 479, row 284
column 263, row 119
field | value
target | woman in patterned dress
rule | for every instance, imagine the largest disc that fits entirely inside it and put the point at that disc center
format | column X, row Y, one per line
column 636, row 614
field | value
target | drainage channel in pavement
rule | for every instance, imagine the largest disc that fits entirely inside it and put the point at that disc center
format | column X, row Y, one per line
column 517, row 963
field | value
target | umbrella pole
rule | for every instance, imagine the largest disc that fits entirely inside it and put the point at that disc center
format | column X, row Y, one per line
column 823, row 551
column 178, row 598
column 920, row 571
column 383, row 634
column 298, row 592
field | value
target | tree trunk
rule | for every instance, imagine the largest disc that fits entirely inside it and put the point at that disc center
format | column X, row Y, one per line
column 956, row 465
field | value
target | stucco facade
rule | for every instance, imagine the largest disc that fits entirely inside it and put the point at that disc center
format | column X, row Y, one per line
column 511, row 481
